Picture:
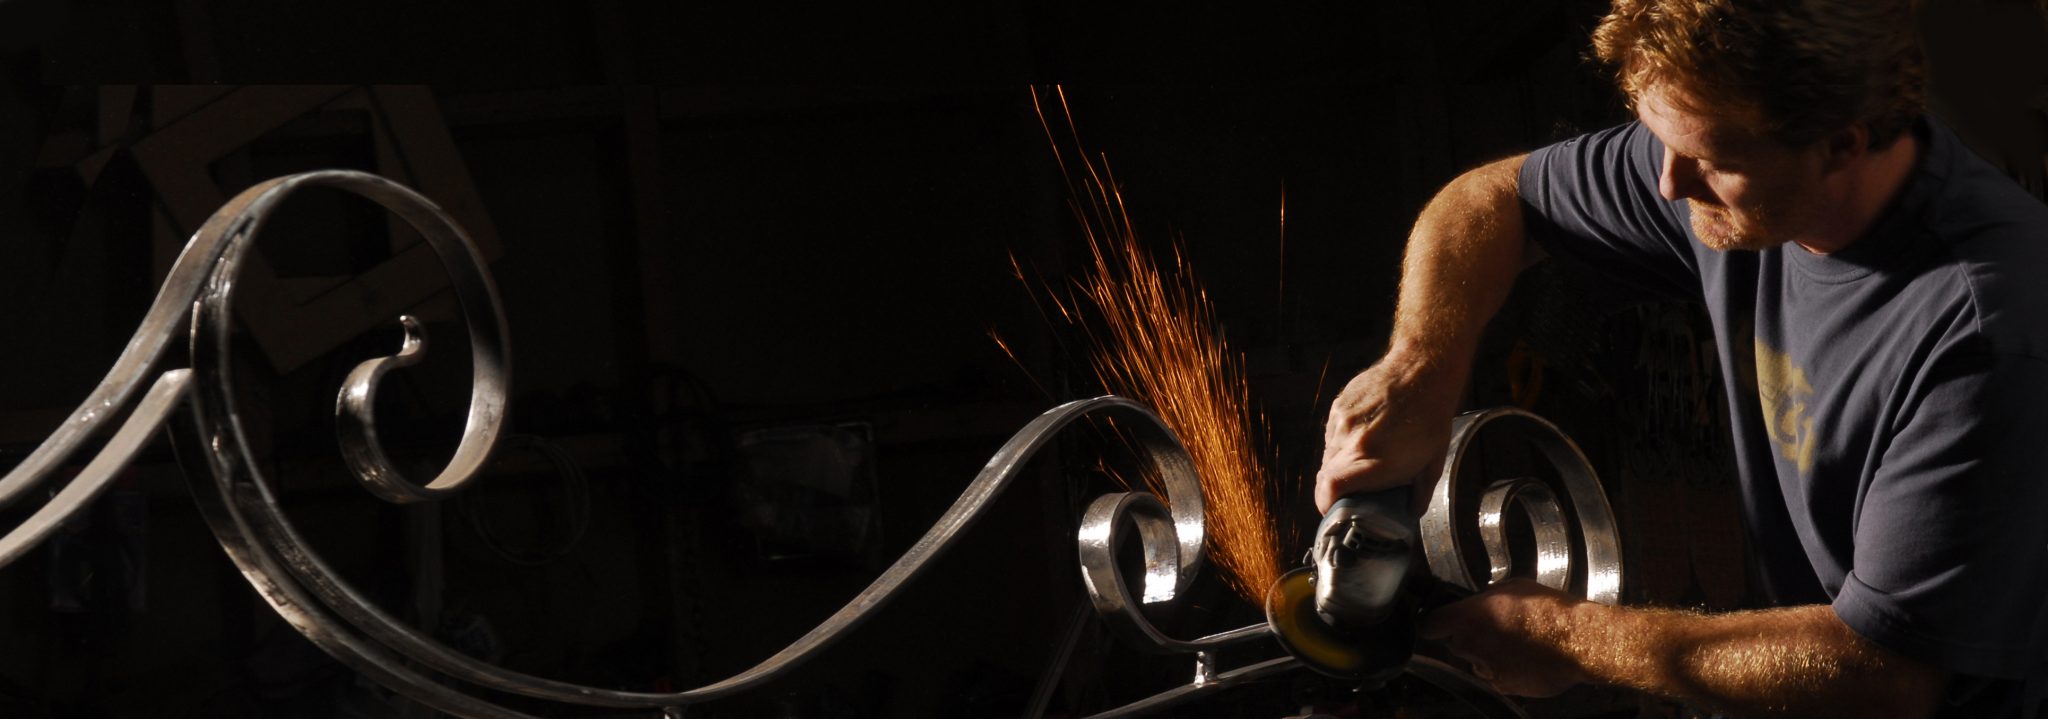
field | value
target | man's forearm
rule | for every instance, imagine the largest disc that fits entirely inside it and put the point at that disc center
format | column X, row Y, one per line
column 1796, row 661
column 1392, row 420
column 1461, row 261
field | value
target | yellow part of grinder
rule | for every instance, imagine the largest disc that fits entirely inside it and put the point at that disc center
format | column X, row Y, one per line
column 1291, row 615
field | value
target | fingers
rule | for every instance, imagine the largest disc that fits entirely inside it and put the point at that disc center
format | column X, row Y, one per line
column 1350, row 476
column 1335, row 481
column 1368, row 446
column 1354, row 473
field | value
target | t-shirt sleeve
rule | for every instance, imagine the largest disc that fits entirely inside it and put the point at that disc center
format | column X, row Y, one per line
column 1951, row 559
column 1594, row 199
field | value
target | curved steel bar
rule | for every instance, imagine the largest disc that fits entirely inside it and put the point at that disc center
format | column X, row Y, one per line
column 207, row 473
column 1546, row 520
column 160, row 326
column 1443, row 545
column 252, row 511
column 355, row 421
column 1239, row 635
column 1189, row 692
column 266, row 559
column 1101, row 533
column 162, row 398
column 490, row 354
column 1476, row 696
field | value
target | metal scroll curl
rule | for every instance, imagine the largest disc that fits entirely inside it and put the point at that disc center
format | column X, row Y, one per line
column 1594, row 550
column 242, row 509
column 1445, row 539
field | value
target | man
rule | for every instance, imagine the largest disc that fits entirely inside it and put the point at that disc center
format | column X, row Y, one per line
column 1880, row 300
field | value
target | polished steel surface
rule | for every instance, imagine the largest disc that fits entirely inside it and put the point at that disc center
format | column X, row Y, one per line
column 156, row 405
column 1443, row 549
column 1445, row 538
column 131, row 370
column 1546, row 521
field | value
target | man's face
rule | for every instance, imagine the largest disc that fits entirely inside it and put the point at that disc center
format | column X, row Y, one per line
column 1747, row 191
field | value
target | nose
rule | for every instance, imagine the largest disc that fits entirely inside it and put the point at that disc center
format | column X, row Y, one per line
column 1679, row 178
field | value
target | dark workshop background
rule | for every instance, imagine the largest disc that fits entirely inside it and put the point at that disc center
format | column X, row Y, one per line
column 751, row 264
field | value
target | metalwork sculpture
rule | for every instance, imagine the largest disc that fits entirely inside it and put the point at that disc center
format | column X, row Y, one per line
column 241, row 507
column 1443, row 537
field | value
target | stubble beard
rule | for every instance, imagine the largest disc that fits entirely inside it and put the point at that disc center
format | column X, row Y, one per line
column 1718, row 229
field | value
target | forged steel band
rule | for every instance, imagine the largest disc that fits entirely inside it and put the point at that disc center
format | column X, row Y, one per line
column 163, row 398
column 242, row 509
column 490, row 353
column 1475, row 695
column 1101, row 533
column 1546, row 520
column 1443, row 540
column 238, row 503
column 1190, row 692
column 160, row 325
column 300, row 586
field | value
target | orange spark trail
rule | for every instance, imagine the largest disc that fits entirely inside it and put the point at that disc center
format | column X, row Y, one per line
column 1280, row 294
column 1155, row 341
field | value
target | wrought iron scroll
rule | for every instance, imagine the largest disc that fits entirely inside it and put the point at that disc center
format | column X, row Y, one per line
column 241, row 506
column 1444, row 541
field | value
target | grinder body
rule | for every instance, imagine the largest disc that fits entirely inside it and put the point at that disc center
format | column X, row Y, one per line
column 1349, row 614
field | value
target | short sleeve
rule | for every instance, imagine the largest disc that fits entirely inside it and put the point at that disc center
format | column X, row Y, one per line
column 1951, row 537
column 1594, row 199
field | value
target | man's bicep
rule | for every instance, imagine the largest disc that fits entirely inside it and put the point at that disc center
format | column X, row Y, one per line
column 1594, row 199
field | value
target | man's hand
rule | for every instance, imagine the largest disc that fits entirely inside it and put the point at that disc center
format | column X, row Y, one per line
column 1513, row 635
column 1389, row 426
column 1391, row 422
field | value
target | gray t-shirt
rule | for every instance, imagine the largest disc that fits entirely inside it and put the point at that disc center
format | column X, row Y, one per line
column 1889, row 401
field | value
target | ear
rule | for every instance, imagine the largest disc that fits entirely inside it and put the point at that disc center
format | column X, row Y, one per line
column 1846, row 146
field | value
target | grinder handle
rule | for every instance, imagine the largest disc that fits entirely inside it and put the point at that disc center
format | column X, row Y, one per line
column 1362, row 556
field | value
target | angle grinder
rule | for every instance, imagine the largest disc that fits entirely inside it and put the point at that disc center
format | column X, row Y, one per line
column 1351, row 613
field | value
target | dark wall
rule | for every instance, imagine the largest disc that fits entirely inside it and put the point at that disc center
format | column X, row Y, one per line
column 710, row 225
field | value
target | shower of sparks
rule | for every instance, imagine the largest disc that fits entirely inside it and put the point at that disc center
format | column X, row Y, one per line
column 1154, row 339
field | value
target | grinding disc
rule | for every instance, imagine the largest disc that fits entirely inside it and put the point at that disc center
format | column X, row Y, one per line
column 1291, row 615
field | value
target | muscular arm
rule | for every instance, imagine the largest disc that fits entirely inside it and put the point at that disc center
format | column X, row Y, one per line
column 1462, row 259
column 1794, row 662
column 1392, row 420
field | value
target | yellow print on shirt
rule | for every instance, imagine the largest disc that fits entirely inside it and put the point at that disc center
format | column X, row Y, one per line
column 1784, row 392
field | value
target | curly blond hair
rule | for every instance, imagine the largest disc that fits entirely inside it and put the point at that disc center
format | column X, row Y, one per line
column 1806, row 68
